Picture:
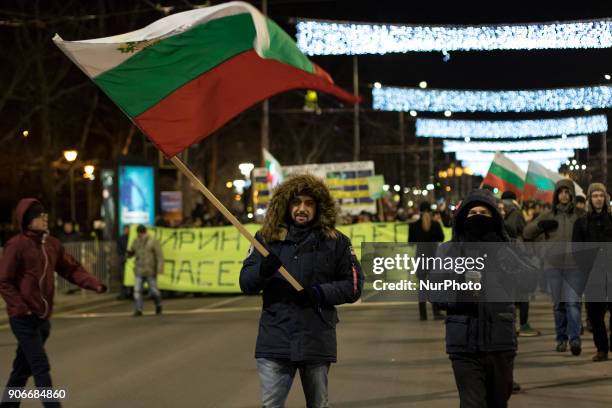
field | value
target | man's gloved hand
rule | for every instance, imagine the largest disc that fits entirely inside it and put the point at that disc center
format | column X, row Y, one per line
column 269, row 265
column 548, row 225
column 312, row 296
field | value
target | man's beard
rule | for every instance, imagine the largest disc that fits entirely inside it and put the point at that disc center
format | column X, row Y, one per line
column 297, row 223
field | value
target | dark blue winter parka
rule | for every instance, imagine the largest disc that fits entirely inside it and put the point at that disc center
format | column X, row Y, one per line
column 289, row 327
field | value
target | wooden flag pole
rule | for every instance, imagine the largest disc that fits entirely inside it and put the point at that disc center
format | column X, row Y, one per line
column 210, row 196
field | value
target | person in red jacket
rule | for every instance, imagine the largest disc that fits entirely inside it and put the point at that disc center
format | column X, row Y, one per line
column 27, row 268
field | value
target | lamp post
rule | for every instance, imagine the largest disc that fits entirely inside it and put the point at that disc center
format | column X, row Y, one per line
column 245, row 170
column 70, row 156
column 88, row 173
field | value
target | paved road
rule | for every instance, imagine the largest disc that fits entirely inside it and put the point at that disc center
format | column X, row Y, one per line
column 200, row 354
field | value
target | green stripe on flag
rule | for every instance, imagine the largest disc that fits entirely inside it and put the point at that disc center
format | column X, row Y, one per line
column 142, row 81
column 507, row 175
column 540, row 182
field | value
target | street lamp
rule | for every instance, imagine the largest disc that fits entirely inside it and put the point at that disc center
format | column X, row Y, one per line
column 246, row 168
column 239, row 184
column 89, row 171
column 70, row 156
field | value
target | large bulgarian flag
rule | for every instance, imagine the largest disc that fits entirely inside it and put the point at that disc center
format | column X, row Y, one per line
column 182, row 77
column 505, row 175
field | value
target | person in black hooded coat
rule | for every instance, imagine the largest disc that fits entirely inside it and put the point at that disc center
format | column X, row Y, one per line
column 297, row 330
column 480, row 336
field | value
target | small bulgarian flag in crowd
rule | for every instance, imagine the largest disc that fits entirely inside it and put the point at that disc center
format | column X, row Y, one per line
column 505, row 175
column 182, row 77
column 540, row 182
column 274, row 174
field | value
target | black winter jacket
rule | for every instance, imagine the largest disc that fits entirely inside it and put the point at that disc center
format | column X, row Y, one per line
column 289, row 329
column 475, row 326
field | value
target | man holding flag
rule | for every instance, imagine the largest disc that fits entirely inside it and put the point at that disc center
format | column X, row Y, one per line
column 297, row 330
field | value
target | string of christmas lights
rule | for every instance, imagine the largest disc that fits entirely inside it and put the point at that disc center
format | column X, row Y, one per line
column 495, row 129
column 479, row 162
column 481, row 168
column 439, row 100
column 350, row 38
column 476, row 156
column 576, row 142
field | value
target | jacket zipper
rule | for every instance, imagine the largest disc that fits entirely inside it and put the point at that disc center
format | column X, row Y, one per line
column 42, row 278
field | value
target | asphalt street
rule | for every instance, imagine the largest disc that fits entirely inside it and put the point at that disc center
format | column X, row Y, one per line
column 200, row 354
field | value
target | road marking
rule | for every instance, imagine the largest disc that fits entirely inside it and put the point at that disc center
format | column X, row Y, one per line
column 168, row 312
column 209, row 310
column 222, row 303
column 100, row 306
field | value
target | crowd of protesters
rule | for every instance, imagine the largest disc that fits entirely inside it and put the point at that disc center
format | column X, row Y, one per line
column 483, row 369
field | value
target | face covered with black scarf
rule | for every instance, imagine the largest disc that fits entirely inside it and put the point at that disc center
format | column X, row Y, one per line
column 480, row 225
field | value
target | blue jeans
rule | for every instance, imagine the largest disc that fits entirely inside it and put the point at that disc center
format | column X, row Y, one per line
column 138, row 287
column 566, row 286
column 277, row 375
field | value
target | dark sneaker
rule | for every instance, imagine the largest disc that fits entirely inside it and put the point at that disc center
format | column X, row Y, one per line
column 561, row 346
column 158, row 309
column 600, row 356
column 576, row 348
column 527, row 331
column 137, row 313
column 516, row 387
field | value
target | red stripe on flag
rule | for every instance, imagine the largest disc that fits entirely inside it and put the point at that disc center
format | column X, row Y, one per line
column 494, row 181
column 531, row 192
column 200, row 107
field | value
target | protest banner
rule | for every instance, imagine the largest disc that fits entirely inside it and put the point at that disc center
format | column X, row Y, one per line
column 209, row 259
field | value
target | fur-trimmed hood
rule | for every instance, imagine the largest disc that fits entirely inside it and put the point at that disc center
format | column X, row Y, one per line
column 564, row 183
column 275, row 224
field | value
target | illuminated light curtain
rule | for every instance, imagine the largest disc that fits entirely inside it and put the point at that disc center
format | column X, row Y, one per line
column 480, row 168
column 493, row 129
column 439, row 100
column 576, row 142
column 352, row 38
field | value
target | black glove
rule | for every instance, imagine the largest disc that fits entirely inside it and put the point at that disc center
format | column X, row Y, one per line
column 548, row 225
column 311, row 296
column 269, row 265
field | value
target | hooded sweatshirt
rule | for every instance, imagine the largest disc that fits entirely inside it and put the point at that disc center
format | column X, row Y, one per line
column 27, row 265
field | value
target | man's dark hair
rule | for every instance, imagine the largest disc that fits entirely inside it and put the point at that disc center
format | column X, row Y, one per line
column 141, row 229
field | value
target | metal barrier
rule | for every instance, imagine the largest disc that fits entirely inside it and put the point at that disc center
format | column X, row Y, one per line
column 97, row 257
